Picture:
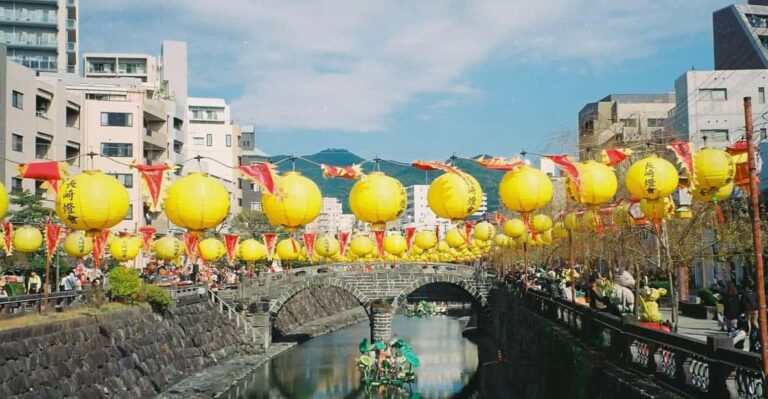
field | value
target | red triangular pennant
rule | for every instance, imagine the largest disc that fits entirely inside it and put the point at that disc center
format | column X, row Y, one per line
column 410, row 232
column 345, row 172
column 343, row 241
column 153, row 178
column 190, row 242
column 52, row 232
column 263, row 174
column 468, row 232
column 230, row 242
column 569, row 168
column 379, row 234
column 147, row 233
column 270, row 239
column 309, row 243
column 99, row 242
column 8, row 237
column 684, row 154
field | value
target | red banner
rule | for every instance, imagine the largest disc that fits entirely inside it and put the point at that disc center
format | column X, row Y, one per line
column 468, row 232
column 99, row 242
column 8, row 237
column 500, row 163
column 49, row 171
column 568, row 167
column 344, row 172
column 432, row 165
column 684, row 154
column 190, row 242
column 263, row 174
column 309, row 244
column 270, row 239
column 154, row 179
column 410, row 232
column 343, row 241
column 52, row 232
column 230, row 243
column 615, row 156
column 379, row 234
column 147, row 234
column 738, row 152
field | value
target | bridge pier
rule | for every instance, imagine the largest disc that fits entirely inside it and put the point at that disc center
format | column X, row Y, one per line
column 381, row 322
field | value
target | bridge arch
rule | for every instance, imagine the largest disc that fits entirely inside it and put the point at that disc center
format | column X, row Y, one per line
column 277, row 304
column 463, row 283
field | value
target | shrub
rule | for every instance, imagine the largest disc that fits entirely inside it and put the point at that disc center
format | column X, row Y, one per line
column 95, row 296
column 707, row 297
column 659, row 284
column 157, row 297
column 124, row 284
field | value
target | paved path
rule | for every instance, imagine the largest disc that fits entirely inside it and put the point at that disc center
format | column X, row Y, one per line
column 693, row 328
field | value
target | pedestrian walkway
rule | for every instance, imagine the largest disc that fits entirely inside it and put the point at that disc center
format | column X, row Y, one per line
column 697, row 329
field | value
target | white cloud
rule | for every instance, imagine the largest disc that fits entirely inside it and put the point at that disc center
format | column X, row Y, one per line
column 349, row 65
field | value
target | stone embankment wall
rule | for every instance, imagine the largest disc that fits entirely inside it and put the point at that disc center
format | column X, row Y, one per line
column 123, row 354
column 545, row 361
column 315, row 304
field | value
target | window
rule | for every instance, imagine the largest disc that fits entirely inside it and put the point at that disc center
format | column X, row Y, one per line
column 129, row 215
column 125, row 178
column 228, row 139
column 198, row 140
column 715, row 135
column 240, row 202
column 16, row 185
column 39, row 190
column 761, row 95
column 209, row 140
column 17, row 143
column 763, row 134
column 713, row 94
column 256, row 206
column 116, row 119
column 656, row 122
column 246, row 144
column 17, row 99
column 117, row 149
column 628, row 122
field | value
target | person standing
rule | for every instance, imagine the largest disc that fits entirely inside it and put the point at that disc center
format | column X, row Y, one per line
column 70, row 282
column 749, row 307
column 33, row 283
column 731, row 308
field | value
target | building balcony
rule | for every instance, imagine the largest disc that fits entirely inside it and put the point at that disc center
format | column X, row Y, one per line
column 70, row 47
column 71, row 24
column 34, row 43
column 26, row 19
column 39, row 65
column 71, row 3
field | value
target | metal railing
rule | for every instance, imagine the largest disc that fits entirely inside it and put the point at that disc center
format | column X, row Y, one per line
column 26, row 303
column 240, row 321
column 693, row 368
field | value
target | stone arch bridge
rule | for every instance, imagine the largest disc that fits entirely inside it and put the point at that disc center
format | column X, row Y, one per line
column 380, row 288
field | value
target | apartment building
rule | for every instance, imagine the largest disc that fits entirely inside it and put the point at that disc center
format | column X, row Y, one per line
column 331, row 219
column 618, row 120
column 39, row 120
column 740, row 35
column 249, row 154
column 418, row 213
column 41, row 34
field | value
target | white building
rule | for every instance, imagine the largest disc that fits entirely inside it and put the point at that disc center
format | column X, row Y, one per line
column 418, row 213
column 41, row 34
column 331, row 219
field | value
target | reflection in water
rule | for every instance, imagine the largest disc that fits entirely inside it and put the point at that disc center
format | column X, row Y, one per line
column 325, row 367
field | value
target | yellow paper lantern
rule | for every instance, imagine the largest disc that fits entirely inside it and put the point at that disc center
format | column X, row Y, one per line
column 514, row 228
column 251, row 250
column 525, row 189
column 455, row 196
column 4, row 201
column 443, row 246
column 327, row 246
column 571, row 221
column 395, row 244
column 197, row 202
column 211, row 249
column 168, row 248
column 559, row 230
column 124, row 249
column 377, row 199
column 288, row 249
column 298, row 202
column 652, row 178
column 715, row 196
column 657, row 210
column 27, row 239
column 598, row 183
column 456, row 238
column 590, row 220
column 361, row 246
column 92, row 201
column 78, row 245
column 425, row 239
column 541, row 223
column 546, row 236
column 684, row 212
column 501, row 240
column 484, row 231
column 713, row 168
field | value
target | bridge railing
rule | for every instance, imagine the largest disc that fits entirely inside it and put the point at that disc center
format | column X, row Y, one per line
column 224, row 308
column 34, row 302
column 697, row 369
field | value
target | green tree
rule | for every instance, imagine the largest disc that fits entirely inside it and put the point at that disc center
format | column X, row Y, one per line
column 29, row 208
column 252, row 224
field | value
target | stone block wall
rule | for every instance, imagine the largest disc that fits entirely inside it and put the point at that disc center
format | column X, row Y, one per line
column 124, row 354
column 313, row 304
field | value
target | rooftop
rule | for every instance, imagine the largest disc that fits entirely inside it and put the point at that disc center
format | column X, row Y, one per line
column 206, row 102
column 639, row 98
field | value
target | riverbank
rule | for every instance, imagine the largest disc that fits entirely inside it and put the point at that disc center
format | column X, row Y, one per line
column 325, row 325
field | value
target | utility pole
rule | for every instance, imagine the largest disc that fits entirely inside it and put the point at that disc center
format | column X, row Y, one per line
column 756, row 237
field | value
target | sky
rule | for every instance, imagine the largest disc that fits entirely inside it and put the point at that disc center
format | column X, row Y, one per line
column 413, row 80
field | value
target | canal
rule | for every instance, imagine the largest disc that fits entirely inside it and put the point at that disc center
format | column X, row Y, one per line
column 324, row 367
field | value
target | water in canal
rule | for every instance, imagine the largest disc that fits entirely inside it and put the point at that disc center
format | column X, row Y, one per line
column 324, row 367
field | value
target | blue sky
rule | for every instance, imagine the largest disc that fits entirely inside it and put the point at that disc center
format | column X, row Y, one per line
column 413, row 80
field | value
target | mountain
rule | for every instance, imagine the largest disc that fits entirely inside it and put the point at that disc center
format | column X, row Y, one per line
column 406, row 174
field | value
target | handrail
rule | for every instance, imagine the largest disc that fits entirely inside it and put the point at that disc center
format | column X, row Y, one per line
column 250, row 331
column 713, row 369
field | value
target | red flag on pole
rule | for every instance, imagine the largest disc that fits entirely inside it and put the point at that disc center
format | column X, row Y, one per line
column 343, row 241
column 8, row 237
column 684, row 154
column 48, row 171
column 52, row 232
column 270, row 239
column 410, row 232
column 568, row 167
column 309, row 244
column 190, row 242
column 154, row 180
column 263, row 174
column 99, row 241
column 230, row 242
column 147, row 233
column 345, row 172
column 379, row 234
column 615, row 156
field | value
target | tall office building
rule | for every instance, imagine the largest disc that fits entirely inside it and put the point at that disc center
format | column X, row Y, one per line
column 41, row 34
column 740, row 34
